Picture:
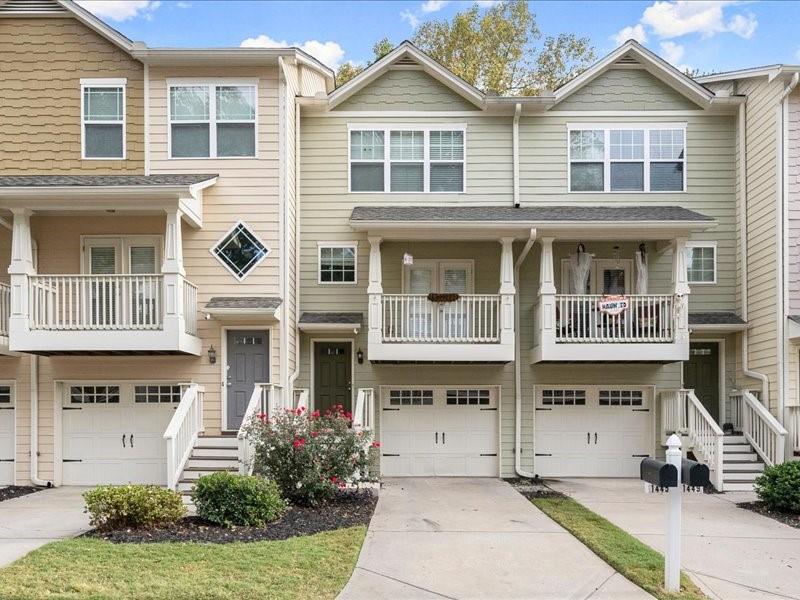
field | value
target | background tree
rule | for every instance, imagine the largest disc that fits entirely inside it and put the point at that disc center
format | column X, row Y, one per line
column 349, row 70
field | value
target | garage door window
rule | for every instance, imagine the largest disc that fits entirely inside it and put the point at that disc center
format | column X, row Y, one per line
column 564, row 397
column 411, row 397
column 157, row 394
column 620, row 397
column 5, row 395
column 468, row 397
column 94, row 394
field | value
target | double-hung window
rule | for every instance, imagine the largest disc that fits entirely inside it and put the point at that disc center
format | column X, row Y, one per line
column 337, row 262
column 210, row 120
column 407, row 159
column 103, row 118
column 701, row 262
column 642, row 158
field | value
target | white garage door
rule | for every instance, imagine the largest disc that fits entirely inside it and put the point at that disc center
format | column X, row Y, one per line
column 6, row 434
column 439, row 431
column 592, row 431
column 113, row 432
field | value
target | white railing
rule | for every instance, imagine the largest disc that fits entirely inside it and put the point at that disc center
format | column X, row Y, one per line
column 96, row 302
column 364, row 412
column 759, row 427
column 300, row 398
column 5, row 307
column 190, row 307
column 266, row 398
column 794, row 428
column 705, row 437
column 182, row 432
column 648, row 318
column 472, row 318
column 673, row 412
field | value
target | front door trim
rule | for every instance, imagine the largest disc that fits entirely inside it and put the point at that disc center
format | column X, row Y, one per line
column 723, row 392
column 313, row 363
column 223, row 364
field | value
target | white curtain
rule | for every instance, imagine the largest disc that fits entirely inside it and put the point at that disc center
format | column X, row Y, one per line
column 641, row 272
column 579, row 265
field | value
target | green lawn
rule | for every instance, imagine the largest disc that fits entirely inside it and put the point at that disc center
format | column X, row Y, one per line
column 316, row 566
column 635, row 560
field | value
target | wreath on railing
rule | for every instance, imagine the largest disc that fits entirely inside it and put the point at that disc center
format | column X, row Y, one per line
column 443, row 297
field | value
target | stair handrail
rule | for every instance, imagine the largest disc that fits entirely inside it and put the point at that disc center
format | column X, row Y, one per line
column 301, row 398
column 706, row 438
column 364, row 414
column 673, row 411
column 266, row 398
column 182, row 432
column 764, row 432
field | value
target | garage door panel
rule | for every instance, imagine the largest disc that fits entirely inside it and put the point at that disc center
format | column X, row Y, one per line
column 7, row 446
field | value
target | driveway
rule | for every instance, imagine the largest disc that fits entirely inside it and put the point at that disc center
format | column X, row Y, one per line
column 732, row 553
column 474, row 538
column 34, row 520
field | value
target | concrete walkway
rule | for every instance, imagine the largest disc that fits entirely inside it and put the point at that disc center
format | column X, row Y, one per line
column 731, row 553
column 34, row 520
column 474, row 538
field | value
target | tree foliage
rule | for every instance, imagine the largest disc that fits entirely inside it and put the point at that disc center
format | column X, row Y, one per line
column 349, row 70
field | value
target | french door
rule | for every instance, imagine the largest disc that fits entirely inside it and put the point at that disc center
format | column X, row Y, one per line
column 429, row 319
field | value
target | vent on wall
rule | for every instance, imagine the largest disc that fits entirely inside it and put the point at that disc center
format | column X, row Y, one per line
column 627, row 60
column 31, row 8
column 405, row 60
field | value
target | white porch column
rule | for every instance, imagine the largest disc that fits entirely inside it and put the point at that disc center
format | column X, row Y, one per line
column 375, row 291
column 19, row 269
column 507, row 291
column 174, row 273
column 681, row 281
column 546, row 312
column 173, row 244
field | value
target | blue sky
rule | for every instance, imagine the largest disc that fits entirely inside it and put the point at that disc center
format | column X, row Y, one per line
column 708, row 36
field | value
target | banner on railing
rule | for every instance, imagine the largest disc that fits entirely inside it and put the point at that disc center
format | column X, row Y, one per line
column 613, row 305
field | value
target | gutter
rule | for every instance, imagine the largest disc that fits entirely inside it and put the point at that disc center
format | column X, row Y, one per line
column 517, row 363
column 515, row 151
column 35, row 425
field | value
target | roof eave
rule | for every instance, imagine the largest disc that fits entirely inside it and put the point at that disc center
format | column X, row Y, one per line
column 98, row 26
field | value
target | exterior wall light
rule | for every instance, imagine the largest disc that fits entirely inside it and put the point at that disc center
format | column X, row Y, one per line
column 360, row 356
column 212, row 355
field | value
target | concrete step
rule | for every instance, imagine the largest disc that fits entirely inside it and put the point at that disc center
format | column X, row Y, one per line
column 217, row 441
column 734, row 439
column 195, row 473
column 739, row 456
column 185, row 486
column 215, row 451
column 736, row 448
column 742, row 467
column 739, row 477
column 213, row 461
column 730, row 486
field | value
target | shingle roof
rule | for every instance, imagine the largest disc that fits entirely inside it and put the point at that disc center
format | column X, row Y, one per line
column 461, row 214
column 328, row 318
column 244, row 302
column 101, row 180
column 715, row 318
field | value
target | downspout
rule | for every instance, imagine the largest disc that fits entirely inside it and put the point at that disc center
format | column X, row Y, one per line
column 517, row 362
column 284, row 229
column 515, row 151
column 35, row 424
column 296, row 373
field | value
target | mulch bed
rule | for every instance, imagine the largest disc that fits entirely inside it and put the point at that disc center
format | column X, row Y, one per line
column 348, row 509
column 533, row 488
column 15, row 491
column 790, row 519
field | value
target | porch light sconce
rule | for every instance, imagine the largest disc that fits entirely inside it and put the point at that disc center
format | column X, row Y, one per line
column 643, row 249
column 408, row 259
column 616, row 255
column 212, row 355
column 581, row 248
column 360, row 356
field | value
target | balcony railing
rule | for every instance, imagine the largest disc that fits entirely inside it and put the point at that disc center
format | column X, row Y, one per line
column 648, row 318
column 190, row 307
column 413, row 318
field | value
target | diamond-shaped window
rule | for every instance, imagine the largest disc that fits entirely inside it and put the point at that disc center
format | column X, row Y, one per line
column 240, row 251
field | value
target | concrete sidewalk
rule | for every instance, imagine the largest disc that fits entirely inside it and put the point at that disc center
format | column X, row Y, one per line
column 31, row 521
column 731, row 553
column 474, row 538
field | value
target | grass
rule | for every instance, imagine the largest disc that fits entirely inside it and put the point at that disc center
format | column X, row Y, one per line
column 634, row 560
column 316, row 566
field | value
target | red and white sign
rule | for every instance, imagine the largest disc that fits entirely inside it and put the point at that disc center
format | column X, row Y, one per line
column 613, row 305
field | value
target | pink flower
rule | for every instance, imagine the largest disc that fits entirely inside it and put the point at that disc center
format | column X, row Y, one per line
column 314, row 433
column 262, row 417
column 334, row 479
column 299, row 443
column 376, row 444
column 315, row 414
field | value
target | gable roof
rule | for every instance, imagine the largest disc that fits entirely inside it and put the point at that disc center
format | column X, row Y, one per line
column 408, row 54
column 632, row 53
column 769, row 71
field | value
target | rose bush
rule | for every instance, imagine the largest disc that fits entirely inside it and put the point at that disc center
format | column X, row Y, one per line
column 309, row 455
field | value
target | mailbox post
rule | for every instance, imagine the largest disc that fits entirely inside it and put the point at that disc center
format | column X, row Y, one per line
column 672, row 557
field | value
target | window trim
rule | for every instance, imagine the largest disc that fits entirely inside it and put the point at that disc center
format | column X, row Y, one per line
column 701, row 244
column 255, row 264
column 110, row 83
column 321, row 245
column 387, row 128
column 126, row 242
column 606, row 161
column 211, row 84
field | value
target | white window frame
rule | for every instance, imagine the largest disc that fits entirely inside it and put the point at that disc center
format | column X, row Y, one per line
column 606, row 128
column 110, row 83
column 703, row 244
column 387, row 161
column 126, row 242
column 255, row 264
column 321, row 245
column 211, row 85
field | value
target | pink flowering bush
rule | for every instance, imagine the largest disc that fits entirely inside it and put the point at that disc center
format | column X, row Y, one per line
column 309, row 455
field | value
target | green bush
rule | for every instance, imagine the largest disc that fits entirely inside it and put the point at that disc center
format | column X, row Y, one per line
column 132, row 506
column 228, row 499
column 779, row 486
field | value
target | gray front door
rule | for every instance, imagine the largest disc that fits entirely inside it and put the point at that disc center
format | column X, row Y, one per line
column 248, row 364
column 701, row 374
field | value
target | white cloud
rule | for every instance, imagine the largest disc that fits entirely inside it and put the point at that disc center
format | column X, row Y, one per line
column 184, row 5
column 329, row 53
column 706, row 17
column 433, row 5
column 635, row 32
column 673, row 53
column 487, row 3
column 121, row 10
column 410, row 18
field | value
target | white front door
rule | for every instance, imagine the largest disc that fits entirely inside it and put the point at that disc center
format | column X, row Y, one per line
column 592, row 431
column 439, row 431
column 113, row 433
column 7, row 446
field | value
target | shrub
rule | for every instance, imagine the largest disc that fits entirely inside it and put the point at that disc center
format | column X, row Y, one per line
column 779, row 486
column 132, row 506
column 309, row 456
column 228, row 499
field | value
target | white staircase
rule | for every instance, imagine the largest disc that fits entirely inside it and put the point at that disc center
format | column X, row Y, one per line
column 740, row 464
column 211, row 454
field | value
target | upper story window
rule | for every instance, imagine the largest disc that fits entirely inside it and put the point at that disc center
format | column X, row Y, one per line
column 644, row 158
column 103, row 118
column 337, row 262
column 701, row 263
column 212, row 120
column 408, row 159
column 240, row 251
